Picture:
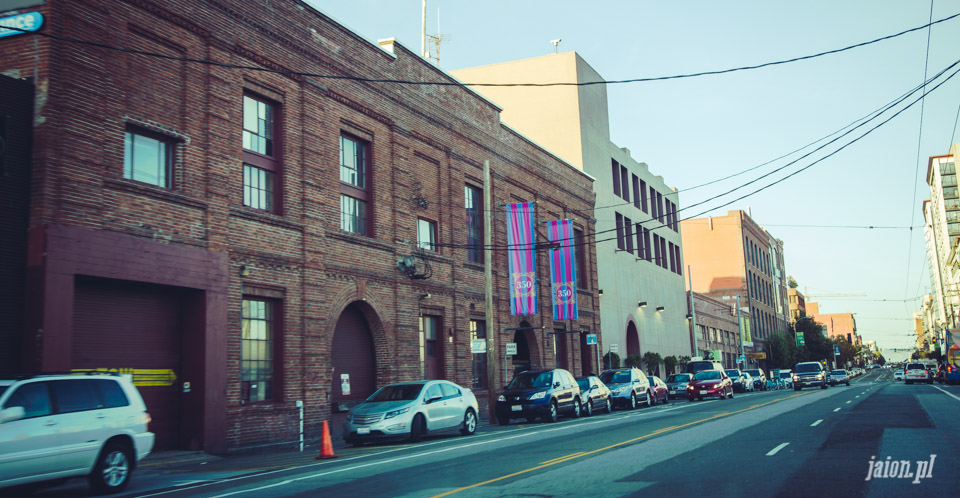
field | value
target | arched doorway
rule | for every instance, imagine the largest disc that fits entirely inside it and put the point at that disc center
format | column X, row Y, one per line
column 633, row 340
column 526, row 357
column 586, row 355
column 353, row 358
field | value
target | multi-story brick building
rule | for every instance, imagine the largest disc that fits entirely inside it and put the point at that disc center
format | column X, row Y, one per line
column 718, row 332
column 229, row 230
column 796, row 304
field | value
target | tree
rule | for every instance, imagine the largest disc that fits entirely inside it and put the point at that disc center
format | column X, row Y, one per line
column 848, row 352
column 781, row 350
column 633, row 360
column 792, row 282
column 611, row 360
column 817, row 347
column 880, row 360
column 652, row 360
column 670, row 363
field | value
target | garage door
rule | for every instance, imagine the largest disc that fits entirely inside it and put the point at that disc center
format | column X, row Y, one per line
column 128, row 325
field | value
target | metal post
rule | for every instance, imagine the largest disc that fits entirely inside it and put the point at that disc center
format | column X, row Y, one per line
column 693, row 314
column 597, row 345
column 740, row 328
column 300, row 406
column 491, row 327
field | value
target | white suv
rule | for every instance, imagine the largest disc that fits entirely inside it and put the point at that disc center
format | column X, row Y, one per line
column 55, row 427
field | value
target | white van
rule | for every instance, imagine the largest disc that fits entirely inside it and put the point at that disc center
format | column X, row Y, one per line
column 56, row 427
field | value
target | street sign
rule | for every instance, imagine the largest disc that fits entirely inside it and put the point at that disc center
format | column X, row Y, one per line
column 741, row 359
column 591, row 339
column 31, row 21
column 614, row 348
column 511, row 348
column 757, row 356
column 800, row 341
column 478, row 346
column 836, row 351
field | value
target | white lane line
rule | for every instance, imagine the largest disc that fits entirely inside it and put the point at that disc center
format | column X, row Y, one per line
column 945, row 392
column 778, row 448
column 816, row 423
column 836, row 409
column 848, row 402
column 857, row 396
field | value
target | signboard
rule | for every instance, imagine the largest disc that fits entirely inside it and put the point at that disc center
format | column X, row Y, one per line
column 591, row 339
column 741, row 359
column 142, row 377
column 836, row 351
column 757, row 356
column 614, row 348
column 747, row 335
column 345, row 384
column 800, row 341
column 511, row 348
column 31, row 21
column 521, row 257
column 478, row 346
column 563, row 271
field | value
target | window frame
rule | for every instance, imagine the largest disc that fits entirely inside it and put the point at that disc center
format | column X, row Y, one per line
column 274, row 310
column 475, row 220
column 478, row 330
column 615, row 172
column 362, row 195
column 170, row 145
column 628, row 234
column 620, row 243
column 624, row 183
column 271, row 163
column 434, row 234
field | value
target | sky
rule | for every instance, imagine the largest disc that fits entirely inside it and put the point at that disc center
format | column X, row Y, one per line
column 691, row 131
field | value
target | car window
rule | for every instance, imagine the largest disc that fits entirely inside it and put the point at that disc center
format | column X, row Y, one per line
column 584, row 384
column 616, row 377
column 679, row 378
column 2, row 389
column 526, row 380
column 111, row 393
column 75, row 395
column 402, row 392
column 808, row 367
column 33, row 397
column 433, row 392
column 707, row 375
column 449, row 391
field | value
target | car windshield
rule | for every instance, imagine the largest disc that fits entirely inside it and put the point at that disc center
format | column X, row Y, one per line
column 707, row 375
column 808, row 367
column 755, row 373
column 733, row 373
column 679, row 378
column 784, row 375
column 584, row 384
column 527, row 380
column 838, row 372
column 398, row 392
column 616, row 377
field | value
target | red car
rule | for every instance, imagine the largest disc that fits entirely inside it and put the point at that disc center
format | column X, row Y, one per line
column 710, row 383
column 659, row 393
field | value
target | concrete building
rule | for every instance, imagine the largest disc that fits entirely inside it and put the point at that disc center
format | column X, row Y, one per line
column 731, row 255
column 243, row 240
column 797, row 304
column 718, row 334
column 942, row 231
column 638, row 239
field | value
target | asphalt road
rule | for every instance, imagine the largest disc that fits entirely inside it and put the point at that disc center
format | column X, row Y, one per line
column 776, row 443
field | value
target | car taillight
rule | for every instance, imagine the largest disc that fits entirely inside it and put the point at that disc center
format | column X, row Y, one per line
column 147, row 419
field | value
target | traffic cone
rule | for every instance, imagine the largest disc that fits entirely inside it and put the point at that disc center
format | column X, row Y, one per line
column 326, row 448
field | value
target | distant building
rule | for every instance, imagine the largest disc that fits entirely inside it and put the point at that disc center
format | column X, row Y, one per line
column 717, row 329
column 638, row 239
column 941, row 216
column 841, row 325
column 797, row 304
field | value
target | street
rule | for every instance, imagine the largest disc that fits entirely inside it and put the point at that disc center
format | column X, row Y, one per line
column 774, row 443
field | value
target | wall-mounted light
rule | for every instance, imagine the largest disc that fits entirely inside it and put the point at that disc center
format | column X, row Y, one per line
column 641, row 304
column 689, row 316
column 244, row 271
column 660, row 308
column 600, row 292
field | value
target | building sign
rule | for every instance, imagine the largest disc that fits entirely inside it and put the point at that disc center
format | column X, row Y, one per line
column 478, row 346
column 614, row 348
column 142, row 377
column 522, row 258
column 511, row 348
column 563, row 275
column 31, row 21
column 591, row 339
column 757, row 356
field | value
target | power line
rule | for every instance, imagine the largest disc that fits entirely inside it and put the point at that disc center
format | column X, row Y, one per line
column 865, row 227
column 452, row 83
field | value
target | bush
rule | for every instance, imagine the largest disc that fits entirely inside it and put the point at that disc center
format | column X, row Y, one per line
column 611, row 360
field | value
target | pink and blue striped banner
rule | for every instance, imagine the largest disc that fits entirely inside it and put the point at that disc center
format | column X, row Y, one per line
column 563, row 273
column 523, row 264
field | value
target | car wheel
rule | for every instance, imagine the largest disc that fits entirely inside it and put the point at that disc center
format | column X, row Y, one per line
column 633, row 401
column 588, row 407
column 417, row 428
column 469, row 423
column 577, row 408
column 609, row 406
column 111, row 474
column 553, row 416
column 651, row 399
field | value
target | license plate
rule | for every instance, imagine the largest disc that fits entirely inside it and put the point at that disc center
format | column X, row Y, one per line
column 673, row 392
column 516, row 408
column 363, row 430
column 703, row 392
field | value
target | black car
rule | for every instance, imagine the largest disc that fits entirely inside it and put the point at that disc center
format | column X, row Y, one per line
column 539, row 394
column 594, row 395
column 809, row 373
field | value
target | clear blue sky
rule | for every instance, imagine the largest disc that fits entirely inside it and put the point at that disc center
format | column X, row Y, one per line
column 695, row 130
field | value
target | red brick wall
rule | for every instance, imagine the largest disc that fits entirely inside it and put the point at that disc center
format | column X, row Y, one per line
column 425, row 141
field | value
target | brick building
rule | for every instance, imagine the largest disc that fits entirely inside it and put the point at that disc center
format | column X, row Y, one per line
column 718, row 334
column 244, row 238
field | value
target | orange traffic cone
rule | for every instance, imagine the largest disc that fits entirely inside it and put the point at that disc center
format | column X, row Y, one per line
column 326, row 448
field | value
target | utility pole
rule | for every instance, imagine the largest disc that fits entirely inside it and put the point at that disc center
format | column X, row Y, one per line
column 491, row 326
column 693, row 314
column 740, row 328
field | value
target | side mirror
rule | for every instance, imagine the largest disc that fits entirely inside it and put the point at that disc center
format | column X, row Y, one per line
column 556, row 384
column 11, row 414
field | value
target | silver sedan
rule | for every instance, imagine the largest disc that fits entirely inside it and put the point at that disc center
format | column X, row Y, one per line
column 410, row 410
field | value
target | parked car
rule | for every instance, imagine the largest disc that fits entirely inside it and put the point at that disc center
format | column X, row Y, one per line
column 411, row 410
column 739, row 381
column 698, row 365
column 706, row 383
column 759, row 378
column 837, row 377
column 539, row 394
column 786, row 377
column 809, row 373
column 747, row 381
column 659, row 392
column 677, row 385
column 898, row 374
column 57, row 427
column 628, row 386
column 916, row 372
column 594, row 395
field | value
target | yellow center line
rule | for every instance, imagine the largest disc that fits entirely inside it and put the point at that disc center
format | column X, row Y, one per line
column 574, row 456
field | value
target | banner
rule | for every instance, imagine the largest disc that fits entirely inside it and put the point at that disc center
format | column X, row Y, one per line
column 563, row 273
column 523, row 268
column 747, row 335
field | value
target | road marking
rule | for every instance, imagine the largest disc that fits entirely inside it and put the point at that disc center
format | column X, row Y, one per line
column 848, row 401
column 562, row 458
column 857, row 396
column 816, row 423
column 835, row 410
column 947, row 393
column 615, row 445
column 778, row 448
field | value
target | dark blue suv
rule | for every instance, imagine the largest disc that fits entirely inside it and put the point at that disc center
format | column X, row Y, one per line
column 539, row 394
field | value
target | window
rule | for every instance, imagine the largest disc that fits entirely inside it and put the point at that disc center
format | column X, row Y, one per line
column 660, row 207
column 628, row 233
column 624, row 177
column 426, row 234
column 428, row 343
column 653, row 203
column 615, row 171
column 668, row 215
column 33, row 397
column 473, row 200
column 147, row 159
column 947, row 169
column 663, row 251
column 261, row 165
column 620, row 244
column 656, row 249
column 646, row 244
column 676, row 256
column 581, row 253
column 641, row 248
column 256, row 350
column 949, row 180
column 673, row 263
column 478, row 330
column 354, row 185
column 636, row 192
column 111, row 393
column 643, row 196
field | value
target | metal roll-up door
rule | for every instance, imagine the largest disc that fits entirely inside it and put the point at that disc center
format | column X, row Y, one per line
column 135, row 328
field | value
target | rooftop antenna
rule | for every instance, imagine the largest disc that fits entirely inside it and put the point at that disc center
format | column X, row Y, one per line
column 556, row 45
column 436, row 40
